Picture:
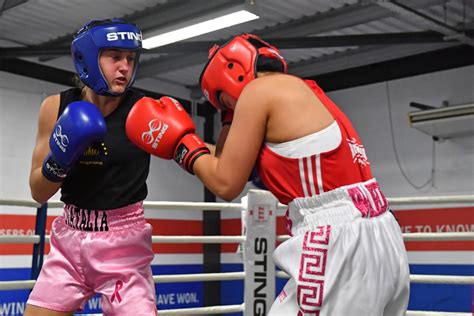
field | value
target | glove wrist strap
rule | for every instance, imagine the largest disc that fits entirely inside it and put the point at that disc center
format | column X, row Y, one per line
column 189, row 150
column 52, row 171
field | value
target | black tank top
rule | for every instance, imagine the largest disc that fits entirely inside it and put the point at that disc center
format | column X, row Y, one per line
column 109, row 174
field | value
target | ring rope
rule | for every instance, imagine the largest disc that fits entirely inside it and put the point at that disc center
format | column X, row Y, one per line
column 240, row 308
column 442, row 279
column 438, row 236
column 421, row 278
column 197, row 310
column 198, row 239
column 203, row 310
column 211, row 206
column 421, row 236
column 34, row 239
column 429, row 313
column 232, row 276
column 169, row 278
column 197, row 277
column 431, row 199
column 17, row 285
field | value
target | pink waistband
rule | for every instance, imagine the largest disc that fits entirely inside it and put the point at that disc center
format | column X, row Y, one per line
column 99, row 220
column 338, row 206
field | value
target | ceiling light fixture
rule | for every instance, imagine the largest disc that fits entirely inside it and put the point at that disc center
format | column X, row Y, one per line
column 203, row 25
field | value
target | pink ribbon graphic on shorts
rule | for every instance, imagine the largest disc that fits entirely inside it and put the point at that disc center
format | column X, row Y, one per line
column 118, row 286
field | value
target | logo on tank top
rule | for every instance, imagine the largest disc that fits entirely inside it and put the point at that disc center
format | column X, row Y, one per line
column 358, row 152
column 95, row 154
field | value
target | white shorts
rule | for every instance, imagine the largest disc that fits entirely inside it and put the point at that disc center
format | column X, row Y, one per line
column 346, row 256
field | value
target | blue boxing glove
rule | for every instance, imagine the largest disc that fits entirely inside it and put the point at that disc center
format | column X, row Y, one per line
column 80, row 125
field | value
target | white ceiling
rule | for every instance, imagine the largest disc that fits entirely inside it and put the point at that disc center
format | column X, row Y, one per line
column 34, row 30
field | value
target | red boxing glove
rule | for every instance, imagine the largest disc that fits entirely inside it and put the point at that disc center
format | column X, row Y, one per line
column 164, row 129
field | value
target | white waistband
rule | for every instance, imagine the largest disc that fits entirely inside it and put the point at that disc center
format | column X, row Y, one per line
column 338, row 206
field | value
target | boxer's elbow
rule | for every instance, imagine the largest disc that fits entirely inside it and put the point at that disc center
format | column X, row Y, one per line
column 40, row 200
column 227, row 196
column 41, row 189
column 228, row 191
column 220, row 180
column 39, row 196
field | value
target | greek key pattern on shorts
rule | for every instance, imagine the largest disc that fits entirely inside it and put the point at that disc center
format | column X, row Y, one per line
column 312, row 269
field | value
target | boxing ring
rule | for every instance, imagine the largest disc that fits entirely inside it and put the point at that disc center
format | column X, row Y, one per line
column 259, row 207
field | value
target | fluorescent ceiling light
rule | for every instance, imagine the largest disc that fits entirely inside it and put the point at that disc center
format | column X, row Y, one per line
column 199, row 29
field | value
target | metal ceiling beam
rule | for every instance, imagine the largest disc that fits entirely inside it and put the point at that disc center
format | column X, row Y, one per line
column 427, row 21
column 159, row 16
column 359, row 57
column 9, row 4
column 282, row 43
column 453, row 57
column 346, row 16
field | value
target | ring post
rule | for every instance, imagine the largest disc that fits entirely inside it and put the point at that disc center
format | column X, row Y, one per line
column 260, row 226
column 38, row 249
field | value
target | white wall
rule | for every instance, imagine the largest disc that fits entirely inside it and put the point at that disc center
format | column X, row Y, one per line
column 367, row 107
column 20, row 99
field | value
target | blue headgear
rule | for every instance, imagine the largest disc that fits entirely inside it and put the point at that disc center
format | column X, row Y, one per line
column 95, row 36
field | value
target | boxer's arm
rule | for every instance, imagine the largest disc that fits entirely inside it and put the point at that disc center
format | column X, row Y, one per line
column 221, row 140
column 41, row 188
column 228, row 174
column 212, row 148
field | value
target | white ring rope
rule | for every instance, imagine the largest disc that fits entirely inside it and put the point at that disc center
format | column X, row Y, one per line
column 17, row 285
column 19, row 203
column 442, row 279
column 34, row 239
column 197, row 310
column 198, row 239
column 428, row 313
column 431, row 200
column 239, row 308
column 168, row 278
column 203, row 310
column 197, row 277
column 421, row 236
column 193, row 206
column 420, row 278
column 231, row 276
column 211, row 206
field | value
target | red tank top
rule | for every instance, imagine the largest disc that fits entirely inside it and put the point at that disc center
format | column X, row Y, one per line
column 290, row 178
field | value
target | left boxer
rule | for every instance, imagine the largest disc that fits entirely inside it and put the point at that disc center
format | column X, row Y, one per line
column 80, row 125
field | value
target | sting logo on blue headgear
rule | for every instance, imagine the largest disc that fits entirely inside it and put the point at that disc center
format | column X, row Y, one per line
column 95, row 36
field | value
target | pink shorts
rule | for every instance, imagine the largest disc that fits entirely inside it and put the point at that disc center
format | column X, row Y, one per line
column 107, row 252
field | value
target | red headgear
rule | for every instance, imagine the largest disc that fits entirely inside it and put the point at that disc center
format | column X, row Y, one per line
column 231, row 67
